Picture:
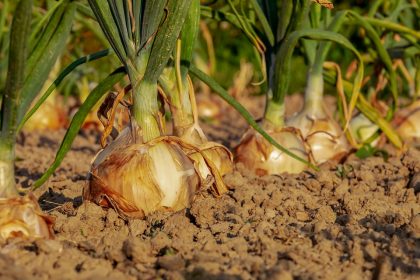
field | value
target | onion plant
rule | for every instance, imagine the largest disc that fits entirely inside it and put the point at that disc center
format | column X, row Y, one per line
column 277, row 30
column 143, row 169
column 322, row 133
column 336, row 24
column 178, row 87
column 278, row 22
column 32, row 55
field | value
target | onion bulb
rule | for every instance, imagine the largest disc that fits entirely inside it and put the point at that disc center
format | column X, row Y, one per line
column 51, row 115
column 408, row 122
column 218, row 154
column 186, row 127
column 22, row 217
column 322, row 133
column 140, row 178
column 259, row 156
column 209, row 108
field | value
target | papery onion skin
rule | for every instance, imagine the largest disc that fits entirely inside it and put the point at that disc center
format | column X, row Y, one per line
column 221, row 160
column 50, row 116
column 209, row 108
column 217, row 153
column 323, row 135
column 141, row 178
column 22, row 217
column 408, row 123
column 259, row 156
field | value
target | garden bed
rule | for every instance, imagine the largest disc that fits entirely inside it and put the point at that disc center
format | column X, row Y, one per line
column 358, row 220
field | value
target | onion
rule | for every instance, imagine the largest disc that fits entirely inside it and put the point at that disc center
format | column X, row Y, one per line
column 22, row 217
column 323, row 135
column 138, row 179
column 50, row 116
column 259, row 156
column 408, row 122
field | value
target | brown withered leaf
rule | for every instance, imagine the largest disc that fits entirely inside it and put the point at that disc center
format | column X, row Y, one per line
column 325, row 3
column 107, row 111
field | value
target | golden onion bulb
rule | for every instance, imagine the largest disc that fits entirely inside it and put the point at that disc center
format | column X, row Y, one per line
column 22, row 217
column 138, row 179
column 143, row 178
column 209, row 107
column 259, row 156
column 323, row 135
column 50, row 116
column 212, row 161
column 218, row 154
column 408, row 122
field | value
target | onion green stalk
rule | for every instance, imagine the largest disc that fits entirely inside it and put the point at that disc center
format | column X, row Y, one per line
column 22, row 216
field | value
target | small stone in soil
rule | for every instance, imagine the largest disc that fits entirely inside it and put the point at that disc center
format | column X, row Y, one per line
column 171, row 262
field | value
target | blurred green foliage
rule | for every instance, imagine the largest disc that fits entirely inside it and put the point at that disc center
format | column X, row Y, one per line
column 230, row 45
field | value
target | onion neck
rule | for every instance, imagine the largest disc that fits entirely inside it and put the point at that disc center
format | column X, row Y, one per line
column 314, row 93
column 274, row 115
column 182, row 112
column 146, row 108
column 180, row 100
column 7, row 169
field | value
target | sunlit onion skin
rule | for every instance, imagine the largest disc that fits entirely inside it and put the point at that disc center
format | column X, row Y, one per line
column 323, row 135
column 208, row 107
column 50, row 116
column 22, row 217
column 142, row 178
column 259, row 156
column 217, row 153
column 408, row 123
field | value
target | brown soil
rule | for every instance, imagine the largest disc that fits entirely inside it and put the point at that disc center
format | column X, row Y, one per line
column 359, row 220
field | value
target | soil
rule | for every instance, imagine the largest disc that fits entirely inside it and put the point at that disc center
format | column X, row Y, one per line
column 356, row 220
